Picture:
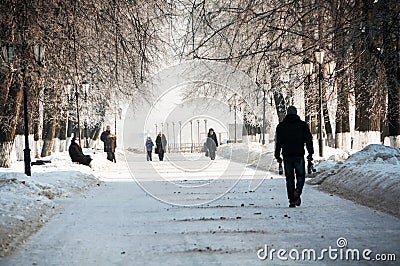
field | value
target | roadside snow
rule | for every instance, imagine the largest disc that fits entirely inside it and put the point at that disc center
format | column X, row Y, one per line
column 370, row 177
column 251, row 154
column 26, row 203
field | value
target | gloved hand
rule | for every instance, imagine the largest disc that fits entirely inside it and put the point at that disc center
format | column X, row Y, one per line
column 309, row 157
column 279, row 160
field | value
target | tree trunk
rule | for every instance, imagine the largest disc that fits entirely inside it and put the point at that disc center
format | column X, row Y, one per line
column 49, row 122
column 63, row 133
column 368, row 86
column 19, row 139
column 327, row 120
column 57, row 142
column 309, row 90
column 391, row 62
column 279, row 99
column 37, row 128
column 343, row 138
column 12, row 89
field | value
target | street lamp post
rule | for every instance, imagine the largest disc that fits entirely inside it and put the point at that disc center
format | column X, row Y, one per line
column 191, row 135
column 8, row 55
column 198, row 132
column 86, row 87
column 180, row 135
column 169, row 150
column 263, row 123
column 205, row 127
column 319, row 57
column 115, row 122
column 173, row 133
column 234, row 102
column 308, row 69
column 235, row 121
column 77, row 107
column 156, row 129
column 118, row 112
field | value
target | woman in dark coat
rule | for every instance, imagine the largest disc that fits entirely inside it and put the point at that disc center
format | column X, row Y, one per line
column 161, row 145
column 211, row 143
column 76, row 154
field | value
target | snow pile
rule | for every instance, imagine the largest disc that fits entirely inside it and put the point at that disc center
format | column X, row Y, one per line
column 251, row 154
column 28, row 202
column 370, row 177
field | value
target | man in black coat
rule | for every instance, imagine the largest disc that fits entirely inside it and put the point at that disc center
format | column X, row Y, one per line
column 211, row 143
column 110, row 143
column 76, row 154
column 291, row 134
column 161, row 145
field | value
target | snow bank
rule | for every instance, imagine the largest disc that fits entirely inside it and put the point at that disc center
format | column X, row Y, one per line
column 26, row 203
column 251, row 154
column 370, row 177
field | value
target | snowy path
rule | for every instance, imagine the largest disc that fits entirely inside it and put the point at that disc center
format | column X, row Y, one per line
column 119, row 224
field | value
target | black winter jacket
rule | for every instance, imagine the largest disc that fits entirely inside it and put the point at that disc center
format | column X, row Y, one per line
column 76, row 154
column 161, row 143
column 291, row 134
column 109, row 143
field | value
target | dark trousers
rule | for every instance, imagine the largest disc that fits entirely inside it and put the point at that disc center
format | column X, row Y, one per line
column 149, row 156
column 161, row 155
column 111, row 157
column 294, row 167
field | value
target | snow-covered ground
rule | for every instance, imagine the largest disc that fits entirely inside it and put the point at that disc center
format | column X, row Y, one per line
column 370, row 177
column 28, row 202
column 118, row 223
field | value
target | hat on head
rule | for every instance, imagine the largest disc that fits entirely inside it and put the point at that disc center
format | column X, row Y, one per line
column 291, row 110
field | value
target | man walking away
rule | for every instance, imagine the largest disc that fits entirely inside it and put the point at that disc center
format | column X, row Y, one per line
column 291, row 134
column 110, row 143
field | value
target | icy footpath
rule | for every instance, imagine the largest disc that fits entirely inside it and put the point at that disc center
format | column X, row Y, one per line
column 26, row 203
column 370, row 177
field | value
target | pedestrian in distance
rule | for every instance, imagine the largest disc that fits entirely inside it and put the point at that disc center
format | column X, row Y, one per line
column 149, row 148
column 291, row 135
column 211, row 144
column 110, row 143
column 161, row 145
column 76, row 154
